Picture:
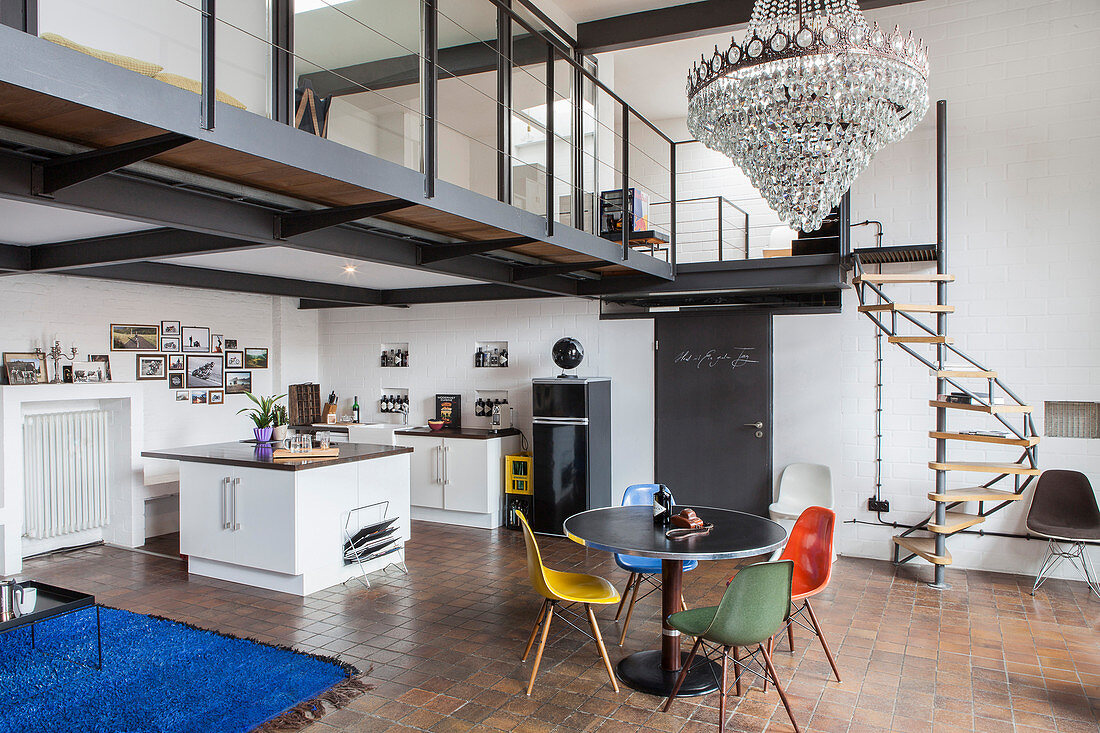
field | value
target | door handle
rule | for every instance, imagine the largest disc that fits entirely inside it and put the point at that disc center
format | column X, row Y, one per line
column 236, row 485
column 225, row 502
column 758, row 425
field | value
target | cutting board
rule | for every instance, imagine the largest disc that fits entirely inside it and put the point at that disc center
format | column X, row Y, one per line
column 284, row 454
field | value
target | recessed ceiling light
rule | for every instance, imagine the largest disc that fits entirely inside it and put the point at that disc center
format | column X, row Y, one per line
column 349, row 269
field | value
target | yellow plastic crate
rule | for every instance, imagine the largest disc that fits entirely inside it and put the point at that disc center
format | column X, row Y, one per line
column 517, row 474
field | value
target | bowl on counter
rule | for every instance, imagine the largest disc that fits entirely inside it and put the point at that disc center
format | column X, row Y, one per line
column 436, row 424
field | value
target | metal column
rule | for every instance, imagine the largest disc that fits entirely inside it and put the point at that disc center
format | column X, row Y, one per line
column 209, row 57
column 428, row 89
column 941, row 327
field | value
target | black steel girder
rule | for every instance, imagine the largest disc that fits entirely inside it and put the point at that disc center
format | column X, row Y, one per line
column 13, row 258
column 440, row 252
column 661, row 25
column 49, row 177
column 404, row 297
column 529, row 272
column 162, row 273
column 294, row 223
column 154, row 244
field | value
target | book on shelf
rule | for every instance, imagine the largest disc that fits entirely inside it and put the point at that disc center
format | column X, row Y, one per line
column 986, row 433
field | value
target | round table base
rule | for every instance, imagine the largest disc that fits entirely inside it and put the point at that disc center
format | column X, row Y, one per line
column 642, row 671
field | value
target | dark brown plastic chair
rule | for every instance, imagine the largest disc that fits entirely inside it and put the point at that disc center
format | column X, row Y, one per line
column 1064, row 510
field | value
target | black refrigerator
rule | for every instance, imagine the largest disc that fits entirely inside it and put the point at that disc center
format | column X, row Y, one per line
column 572, row 449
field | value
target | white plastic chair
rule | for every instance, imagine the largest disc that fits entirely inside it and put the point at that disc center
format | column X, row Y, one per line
column 801, row 485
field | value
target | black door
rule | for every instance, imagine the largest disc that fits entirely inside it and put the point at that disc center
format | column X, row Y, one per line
column 713, row 384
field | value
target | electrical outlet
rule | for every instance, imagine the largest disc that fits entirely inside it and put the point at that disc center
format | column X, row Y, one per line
column 878, row 505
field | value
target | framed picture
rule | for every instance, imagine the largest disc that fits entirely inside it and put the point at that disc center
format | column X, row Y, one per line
column 25, row 367
column 152, row 366
column 175, row 362
column 198, row 397
column 170, row 343
column 105, row 360
column 255, row 358
column 196, row 339
column 67, row 373
column 204, row 371
column 182, row 395
column 230, row 344
column 238, row 382
column 89, row 372
column 217, row 397
column 175, row 380
column 217, row 343
column 234, row 359
column 169, row 328
column 128, row 337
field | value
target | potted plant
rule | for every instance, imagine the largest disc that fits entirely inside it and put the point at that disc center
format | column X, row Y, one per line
column 262, row 414
column 280, row 420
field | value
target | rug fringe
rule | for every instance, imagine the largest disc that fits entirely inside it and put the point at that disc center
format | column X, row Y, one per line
column 308, row 712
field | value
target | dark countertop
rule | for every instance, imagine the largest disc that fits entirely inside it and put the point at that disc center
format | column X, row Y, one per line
column 251, row 456
column 471, row 433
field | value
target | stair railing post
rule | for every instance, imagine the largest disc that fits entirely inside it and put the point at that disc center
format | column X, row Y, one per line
column 941, row 328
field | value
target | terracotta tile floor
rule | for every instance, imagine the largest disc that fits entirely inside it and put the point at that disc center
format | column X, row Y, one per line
column 444, row 642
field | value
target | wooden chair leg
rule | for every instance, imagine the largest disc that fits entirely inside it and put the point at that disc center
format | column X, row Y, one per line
column 790, row 634
column 630, row 609
column 534, row 631
column 683, row 603
column 771, row 641
column 821, row 636
column 722, row 690
column 599, row 644
column 622, row 599
column 542, row 645
column 779, row 687
column 683, row 674
column 736, row 671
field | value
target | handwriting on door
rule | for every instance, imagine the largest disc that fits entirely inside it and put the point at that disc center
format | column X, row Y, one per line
column 733, row 358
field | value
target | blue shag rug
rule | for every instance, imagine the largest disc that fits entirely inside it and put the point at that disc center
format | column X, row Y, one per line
column 160, row 676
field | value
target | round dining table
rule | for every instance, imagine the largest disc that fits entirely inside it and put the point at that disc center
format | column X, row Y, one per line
column 630, row 530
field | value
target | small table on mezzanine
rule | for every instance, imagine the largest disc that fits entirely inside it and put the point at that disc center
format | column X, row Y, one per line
column 630, row 530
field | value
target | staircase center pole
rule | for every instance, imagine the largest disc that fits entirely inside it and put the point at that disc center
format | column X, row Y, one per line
column 941, row 328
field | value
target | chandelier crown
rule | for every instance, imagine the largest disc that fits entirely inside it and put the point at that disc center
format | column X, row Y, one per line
column 806, row 99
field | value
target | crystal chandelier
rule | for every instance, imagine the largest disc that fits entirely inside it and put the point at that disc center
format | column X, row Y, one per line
column 806, row 99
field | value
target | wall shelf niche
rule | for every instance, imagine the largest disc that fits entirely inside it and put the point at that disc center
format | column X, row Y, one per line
column 394, row 355
column 491, row 354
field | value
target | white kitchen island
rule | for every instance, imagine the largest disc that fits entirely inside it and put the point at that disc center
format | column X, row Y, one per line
column 248, row 518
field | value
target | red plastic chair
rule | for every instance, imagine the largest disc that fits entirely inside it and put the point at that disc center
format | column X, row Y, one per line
column 810, row 547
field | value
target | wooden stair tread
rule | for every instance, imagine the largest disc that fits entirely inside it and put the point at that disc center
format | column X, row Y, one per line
column 1012, row 440
column 989, row 409
column 975, row 493
column 879, row 278
column 907, row 308
column 924, row 547
column 921, row 340
column 964, row 374
column 985, row 467
column 954, row 521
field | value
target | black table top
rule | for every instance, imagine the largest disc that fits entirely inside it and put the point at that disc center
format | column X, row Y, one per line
column 257, row 456
column 630, row 529
column 52, row 601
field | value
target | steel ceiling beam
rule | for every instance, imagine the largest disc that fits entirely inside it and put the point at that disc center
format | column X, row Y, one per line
column 161, row 273
column 294, row 223
column 404, row 297
column 51, row 176
column 690, row 20
column 155, row 244
column 529, row 272
column 438, row 253
column 13, row 258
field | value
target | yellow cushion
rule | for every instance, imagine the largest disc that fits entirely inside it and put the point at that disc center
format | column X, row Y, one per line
column 127, row 62
column 194, row 85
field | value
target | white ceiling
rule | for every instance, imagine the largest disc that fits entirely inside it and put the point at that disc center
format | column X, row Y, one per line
column 298, row 265
column 23, row 223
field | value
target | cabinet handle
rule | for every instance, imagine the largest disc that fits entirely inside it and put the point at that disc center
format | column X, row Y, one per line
column 446, row 453
column 236, row 485
column 438, row 450
column 225, row 501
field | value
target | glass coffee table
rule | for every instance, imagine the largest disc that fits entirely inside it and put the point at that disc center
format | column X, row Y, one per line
column 52, row 602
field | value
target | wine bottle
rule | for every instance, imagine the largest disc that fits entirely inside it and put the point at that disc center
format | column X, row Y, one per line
column 504, row 357
column 662, row 506
column 479, row 408
column 479, row 357
column 382, row 359
column 355, row 410
column 494, row 359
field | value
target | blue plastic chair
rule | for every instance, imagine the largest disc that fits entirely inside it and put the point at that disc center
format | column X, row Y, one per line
column 641, row 568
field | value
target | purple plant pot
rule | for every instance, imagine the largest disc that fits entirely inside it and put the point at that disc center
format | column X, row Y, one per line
column 262, row 434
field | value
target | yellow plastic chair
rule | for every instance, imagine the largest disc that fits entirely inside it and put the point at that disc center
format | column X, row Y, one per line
column 568, row 588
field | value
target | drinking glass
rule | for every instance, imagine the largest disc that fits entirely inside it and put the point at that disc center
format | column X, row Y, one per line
column 324, row 439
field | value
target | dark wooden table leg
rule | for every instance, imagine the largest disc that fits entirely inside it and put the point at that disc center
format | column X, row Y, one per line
column 672, row 578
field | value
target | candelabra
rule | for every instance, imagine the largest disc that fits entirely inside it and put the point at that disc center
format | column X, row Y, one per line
column 56, row 354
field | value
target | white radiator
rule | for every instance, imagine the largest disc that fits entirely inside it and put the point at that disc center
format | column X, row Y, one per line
column 65, row 472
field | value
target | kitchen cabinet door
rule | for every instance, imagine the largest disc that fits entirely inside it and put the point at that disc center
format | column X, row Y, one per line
column 205, row 511
column 263, row 519
column 425, row 470
column 466, row 472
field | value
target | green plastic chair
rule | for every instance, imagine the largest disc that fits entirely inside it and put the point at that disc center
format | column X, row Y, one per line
column 756, row 605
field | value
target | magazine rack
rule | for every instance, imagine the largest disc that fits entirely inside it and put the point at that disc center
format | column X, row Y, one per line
column 363, row 542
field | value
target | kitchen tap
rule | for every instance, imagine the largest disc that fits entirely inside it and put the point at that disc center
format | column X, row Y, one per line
column 404, row 414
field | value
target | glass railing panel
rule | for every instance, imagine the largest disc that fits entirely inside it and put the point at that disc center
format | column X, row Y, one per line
column 242, row 68
column 564, row 108
column 357, row 75
column 649, row 167
column 528, row 116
